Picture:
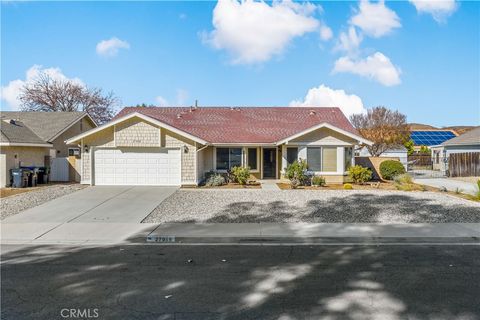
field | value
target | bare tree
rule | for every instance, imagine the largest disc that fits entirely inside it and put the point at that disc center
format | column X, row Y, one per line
column 47, row 94
column 385, row 128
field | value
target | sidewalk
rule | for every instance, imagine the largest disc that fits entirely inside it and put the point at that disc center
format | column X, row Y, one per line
column 238, row 233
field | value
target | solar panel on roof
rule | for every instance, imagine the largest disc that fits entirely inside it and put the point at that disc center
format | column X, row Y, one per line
column 430, row 138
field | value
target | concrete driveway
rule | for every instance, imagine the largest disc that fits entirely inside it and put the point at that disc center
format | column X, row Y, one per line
column 99, row 213
column 449, row 184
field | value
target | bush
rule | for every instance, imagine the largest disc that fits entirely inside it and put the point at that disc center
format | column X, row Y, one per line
column 318, row 181
column 391, row 168
column 295, row 172
column 359, row 174
column 215, row 180
column 477, row 192
column 240, row 174
column 347, row 186
column 403, row 179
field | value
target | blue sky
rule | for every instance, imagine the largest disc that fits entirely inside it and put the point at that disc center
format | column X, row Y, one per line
column 420, row 59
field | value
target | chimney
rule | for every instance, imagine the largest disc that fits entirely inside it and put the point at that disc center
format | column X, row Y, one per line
column 196, row 104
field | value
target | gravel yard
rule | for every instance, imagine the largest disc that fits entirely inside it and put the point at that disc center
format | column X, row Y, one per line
column 348, row 206
column 14, row 204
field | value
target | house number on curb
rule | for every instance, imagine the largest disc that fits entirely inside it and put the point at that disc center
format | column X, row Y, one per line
column 161, row 239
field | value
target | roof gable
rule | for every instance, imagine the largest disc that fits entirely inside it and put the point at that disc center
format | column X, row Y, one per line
column 46, row 125
column 18, row 132
column 471, row 137
column 244, row 125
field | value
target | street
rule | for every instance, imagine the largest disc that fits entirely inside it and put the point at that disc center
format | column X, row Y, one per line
column 240, row 282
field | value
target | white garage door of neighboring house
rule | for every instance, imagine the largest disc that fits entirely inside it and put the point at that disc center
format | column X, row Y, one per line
column 137, row 166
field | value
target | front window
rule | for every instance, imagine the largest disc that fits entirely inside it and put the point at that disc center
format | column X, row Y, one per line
column 252, row 158
column 228, row 158
column 292, row 155
column 314, row 156
column 322, row 159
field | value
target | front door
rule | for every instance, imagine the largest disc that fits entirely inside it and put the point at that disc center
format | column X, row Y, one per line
column 269, row 163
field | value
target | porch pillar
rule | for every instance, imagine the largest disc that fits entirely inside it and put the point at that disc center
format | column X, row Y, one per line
column 284, row 159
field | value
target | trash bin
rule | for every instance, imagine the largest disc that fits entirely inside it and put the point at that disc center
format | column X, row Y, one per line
column 32, row 175
column 18, row 178
column 42, row 175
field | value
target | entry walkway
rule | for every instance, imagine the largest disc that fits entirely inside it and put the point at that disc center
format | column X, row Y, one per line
column 270, row 185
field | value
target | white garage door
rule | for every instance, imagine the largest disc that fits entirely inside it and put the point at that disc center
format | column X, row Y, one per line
column 137, row 166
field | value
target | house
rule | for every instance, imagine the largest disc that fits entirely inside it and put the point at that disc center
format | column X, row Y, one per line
column 467, row 142
column 399, row 152
column 36, row 138
column 177, row 146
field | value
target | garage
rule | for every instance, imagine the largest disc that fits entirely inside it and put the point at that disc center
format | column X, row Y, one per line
column 137, row 166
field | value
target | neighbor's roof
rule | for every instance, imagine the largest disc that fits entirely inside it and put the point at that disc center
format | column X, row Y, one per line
column 246, row 124
column 46, row 125
column 471, row 137
column 18, row 132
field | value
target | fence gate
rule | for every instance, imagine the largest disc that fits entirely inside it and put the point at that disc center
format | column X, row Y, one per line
column 59, row 169
column 464, row 164
column 423, row 166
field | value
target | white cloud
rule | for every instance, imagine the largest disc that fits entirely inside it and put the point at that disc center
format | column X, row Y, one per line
column 161, row 101
column 253, row 32
column 349, row 41
column 325, row 32
column 10, row 92
column 375, row 19
column 377, row 67
column 439, row 9
column 182, row 97
column 324, row 96
column 110, row 47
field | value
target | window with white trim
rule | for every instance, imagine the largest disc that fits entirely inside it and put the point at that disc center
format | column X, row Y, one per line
column 228, row 158
column 322, row 159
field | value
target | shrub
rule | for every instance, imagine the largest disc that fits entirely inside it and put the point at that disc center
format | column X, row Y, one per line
column 241, row 174
column 347, row 186
column 359, row 174
column 477, row 192
column 295, row 172
column 391, row 168
column 318, row 181
column 215, row 180
column 403, row 179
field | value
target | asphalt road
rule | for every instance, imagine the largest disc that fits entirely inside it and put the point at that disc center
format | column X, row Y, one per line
column 241, row 282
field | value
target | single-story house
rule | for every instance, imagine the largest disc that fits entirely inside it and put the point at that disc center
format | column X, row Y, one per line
column 177, row 146
column 399, row 152
column 467, row 142
column 35, row 138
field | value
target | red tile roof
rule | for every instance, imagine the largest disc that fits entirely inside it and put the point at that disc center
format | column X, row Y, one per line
column 246, row 124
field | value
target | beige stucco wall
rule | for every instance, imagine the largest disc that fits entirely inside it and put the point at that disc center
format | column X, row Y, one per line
column 26, row 156
column 139, row 133
column 80, row 126
column 324, row 136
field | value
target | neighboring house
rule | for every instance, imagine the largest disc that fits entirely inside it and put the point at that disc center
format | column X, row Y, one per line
column 177, row 146
column 467, row 142
column 35, row 138
column 399, row 152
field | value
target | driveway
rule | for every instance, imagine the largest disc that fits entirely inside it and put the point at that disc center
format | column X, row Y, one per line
column 81, row 214
column 449, row 184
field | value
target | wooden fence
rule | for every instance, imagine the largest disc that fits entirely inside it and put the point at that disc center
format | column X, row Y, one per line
column 417, row 161
column 464, row 164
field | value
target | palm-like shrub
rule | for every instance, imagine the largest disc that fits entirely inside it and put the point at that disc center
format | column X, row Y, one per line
column 295, row 172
